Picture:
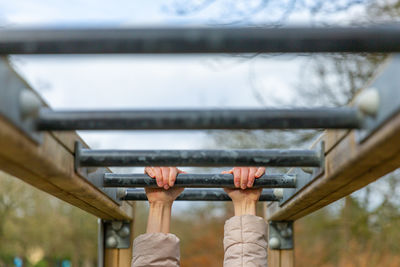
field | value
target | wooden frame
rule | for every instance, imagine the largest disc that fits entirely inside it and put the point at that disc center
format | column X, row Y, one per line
column 49, row 166
column 349, row 165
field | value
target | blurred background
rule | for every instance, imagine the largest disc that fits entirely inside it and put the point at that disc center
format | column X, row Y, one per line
column 37, row 229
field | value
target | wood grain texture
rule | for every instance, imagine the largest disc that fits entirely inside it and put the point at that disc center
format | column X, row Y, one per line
column 349, row 166
column 274, row 258
column 49, row 166
column 287, row 258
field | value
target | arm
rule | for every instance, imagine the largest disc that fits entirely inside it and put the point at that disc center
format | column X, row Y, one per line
column 245, row 234
column 158, row 247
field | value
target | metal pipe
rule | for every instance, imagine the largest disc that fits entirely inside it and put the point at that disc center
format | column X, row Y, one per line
column 202, row 195
column 384, row 38
column 198, row 180
column 212, row 158
column 297, row 118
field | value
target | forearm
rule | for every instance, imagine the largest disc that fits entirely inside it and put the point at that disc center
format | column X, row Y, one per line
column 159, row 217
column 245, row 207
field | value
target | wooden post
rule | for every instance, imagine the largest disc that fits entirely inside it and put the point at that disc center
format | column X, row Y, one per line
column 120, row 257
column 279, row 258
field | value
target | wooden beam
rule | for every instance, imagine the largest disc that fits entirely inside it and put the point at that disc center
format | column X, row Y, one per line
column 349, row 166
column 49, row 166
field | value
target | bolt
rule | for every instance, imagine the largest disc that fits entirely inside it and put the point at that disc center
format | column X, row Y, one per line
column 368, row 101
column 124, row 232
column 29, row 103
column 278, row 192
column 116, row 225
column 274, row 243
column 111, row 242
column 286, row 233
column 121, row 193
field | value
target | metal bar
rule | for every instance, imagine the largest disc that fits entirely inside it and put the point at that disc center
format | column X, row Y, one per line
column 202, row 195
column 384, row 38
column 198, row 180
column 212, row 158
column 297, row 118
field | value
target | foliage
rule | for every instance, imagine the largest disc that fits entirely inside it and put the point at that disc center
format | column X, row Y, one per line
column 34, row 225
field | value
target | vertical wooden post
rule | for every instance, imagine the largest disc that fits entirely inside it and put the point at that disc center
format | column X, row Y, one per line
column 279, row 258
column 120, row 257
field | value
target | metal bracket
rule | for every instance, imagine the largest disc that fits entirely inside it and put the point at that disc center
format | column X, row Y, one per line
column 304, row 176
column 280, row 235
column 117, row 234
column 18, row 103
column 95, row 175
column 387, row 85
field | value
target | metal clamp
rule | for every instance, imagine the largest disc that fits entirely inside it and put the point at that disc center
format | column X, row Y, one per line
column 280, row 235
column 305, row 175
column 117, row 234
column 18, row 103
column 381, row 101
column 95, row 176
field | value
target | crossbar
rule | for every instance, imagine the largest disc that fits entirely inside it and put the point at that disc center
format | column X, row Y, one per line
column 198, row 180
column 384, row 38
column 212, row 158
column 201, row 195
column 297, row 118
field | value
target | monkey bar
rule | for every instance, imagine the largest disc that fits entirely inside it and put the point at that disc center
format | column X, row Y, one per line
column 361, row 143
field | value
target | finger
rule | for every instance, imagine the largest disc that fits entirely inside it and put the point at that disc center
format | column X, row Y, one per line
column 159, row 179
column 165, row 176
column 236, row 177
column 180, row 171
column 227, row 172
column 172, row 176
column 149, row 172
column 260, row 172
column 251, row 176
column 244, row 177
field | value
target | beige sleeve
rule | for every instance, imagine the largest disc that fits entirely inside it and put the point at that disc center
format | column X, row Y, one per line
column 245, row 241
column 156, row 249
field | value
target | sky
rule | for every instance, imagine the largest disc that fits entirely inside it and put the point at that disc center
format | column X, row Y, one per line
column 163, row 81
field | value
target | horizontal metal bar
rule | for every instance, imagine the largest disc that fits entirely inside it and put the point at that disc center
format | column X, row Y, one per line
column 212, row 158
column 384, row 38
column 298, row 118
column 202, row 195
column 198, row 180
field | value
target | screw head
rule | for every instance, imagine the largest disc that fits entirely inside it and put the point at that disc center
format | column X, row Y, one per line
column 286, row 233
column 124, row 232
column 29, row 103
column 278, row 192
column 368, row 101
column 111, row 242
column 121, row 192
column 116, row 225
column 274, row 243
